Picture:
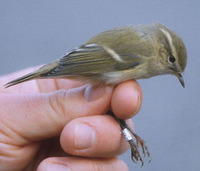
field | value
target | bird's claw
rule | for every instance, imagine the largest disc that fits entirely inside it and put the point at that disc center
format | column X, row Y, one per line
column 135, row 153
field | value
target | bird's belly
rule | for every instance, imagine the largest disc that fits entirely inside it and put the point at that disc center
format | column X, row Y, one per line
column 115, row 77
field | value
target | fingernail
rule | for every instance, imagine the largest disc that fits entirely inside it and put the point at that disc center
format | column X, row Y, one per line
column 56, row 166
column 84, row 136
column 138, row 100
column 93, row 93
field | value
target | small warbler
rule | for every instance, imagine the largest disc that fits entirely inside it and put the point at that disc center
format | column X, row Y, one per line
column 117, row 55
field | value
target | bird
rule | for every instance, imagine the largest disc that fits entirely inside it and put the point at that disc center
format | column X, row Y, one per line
column 117, row 55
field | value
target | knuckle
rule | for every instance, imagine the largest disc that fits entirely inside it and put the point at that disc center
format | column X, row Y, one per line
column 55, row 102
column 97, row 167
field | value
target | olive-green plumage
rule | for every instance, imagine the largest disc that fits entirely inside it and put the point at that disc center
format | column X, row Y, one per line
column 120, row 54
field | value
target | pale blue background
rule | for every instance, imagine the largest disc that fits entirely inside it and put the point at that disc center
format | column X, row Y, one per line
column 37, row 32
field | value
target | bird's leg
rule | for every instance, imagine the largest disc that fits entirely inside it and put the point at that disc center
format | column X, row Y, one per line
column 134, row 145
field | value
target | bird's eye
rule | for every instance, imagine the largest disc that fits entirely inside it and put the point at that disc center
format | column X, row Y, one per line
column 172, row 58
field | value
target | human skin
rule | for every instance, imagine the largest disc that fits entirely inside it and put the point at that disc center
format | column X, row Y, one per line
column 60, row 124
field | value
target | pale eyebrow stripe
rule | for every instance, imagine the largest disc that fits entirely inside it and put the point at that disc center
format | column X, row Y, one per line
column 114, row 55
column 169, row 38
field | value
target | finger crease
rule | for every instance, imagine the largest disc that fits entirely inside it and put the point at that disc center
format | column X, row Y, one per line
column 57, row 108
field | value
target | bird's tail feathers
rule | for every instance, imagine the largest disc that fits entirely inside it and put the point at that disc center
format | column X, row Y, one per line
column 33, row 75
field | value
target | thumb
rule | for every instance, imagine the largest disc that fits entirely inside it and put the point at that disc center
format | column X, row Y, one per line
column 42, row 115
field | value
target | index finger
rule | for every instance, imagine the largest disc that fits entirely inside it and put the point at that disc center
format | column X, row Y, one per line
column 126, row 99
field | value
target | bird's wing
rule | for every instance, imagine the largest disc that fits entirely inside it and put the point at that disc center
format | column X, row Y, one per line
column 93, row 59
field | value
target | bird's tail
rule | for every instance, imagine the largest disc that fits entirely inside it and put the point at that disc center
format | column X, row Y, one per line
column 40, row 73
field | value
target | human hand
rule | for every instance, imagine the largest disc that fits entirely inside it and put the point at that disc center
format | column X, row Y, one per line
column 59, row 124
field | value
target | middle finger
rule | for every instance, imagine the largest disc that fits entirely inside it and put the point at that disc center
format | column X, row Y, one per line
column 93, row 136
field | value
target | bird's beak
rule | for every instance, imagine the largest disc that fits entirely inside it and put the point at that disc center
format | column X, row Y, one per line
column 180, row 77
